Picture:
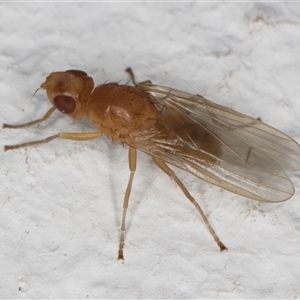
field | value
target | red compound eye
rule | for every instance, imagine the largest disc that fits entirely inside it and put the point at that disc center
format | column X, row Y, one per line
column 65, row 104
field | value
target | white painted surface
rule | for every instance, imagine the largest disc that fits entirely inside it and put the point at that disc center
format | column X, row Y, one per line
column 61, row 203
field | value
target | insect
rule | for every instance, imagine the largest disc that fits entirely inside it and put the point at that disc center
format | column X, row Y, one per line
column 219, row 145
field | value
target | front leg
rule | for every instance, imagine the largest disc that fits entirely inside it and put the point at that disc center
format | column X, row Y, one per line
column 44, row 118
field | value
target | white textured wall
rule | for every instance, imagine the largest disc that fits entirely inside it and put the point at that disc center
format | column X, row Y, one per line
column 61, row 203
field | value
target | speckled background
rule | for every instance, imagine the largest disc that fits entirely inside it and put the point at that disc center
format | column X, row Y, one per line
column 61, row 203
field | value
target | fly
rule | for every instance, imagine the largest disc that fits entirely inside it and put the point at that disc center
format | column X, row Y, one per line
column 219, row 145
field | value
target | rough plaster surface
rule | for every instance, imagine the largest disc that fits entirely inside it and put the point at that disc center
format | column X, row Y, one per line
column 61, row 203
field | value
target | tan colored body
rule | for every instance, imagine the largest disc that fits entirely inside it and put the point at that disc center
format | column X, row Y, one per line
column 128, row 115
column 217, row 144
column 121, row 111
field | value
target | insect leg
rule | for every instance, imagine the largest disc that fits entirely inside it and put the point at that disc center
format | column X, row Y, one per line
column 44, row 118
column 162, row 165
column 131, row 74
column 79, row 136
column 132, row 167
column 132, row 77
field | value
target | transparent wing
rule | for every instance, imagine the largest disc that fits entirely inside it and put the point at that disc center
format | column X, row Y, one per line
column 222, row 146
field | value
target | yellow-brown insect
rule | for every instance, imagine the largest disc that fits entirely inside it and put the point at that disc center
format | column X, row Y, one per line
column 224, row 147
